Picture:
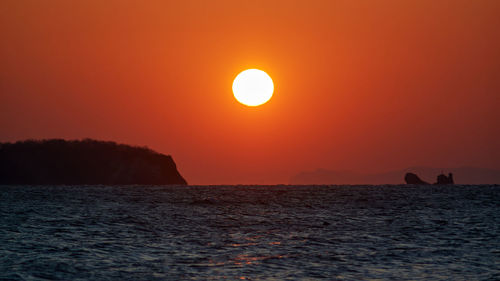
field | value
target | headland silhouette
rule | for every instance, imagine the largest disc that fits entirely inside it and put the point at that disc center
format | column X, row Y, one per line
column 87, row 161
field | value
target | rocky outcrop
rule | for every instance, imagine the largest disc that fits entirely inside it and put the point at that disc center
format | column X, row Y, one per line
column 468, row 175
column 84, row 162
column 443, row 179
column 411, row 178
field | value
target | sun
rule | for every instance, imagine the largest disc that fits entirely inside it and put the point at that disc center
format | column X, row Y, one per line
column 253, row 87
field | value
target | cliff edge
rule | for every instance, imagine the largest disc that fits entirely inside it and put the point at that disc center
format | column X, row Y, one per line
column 58, row 161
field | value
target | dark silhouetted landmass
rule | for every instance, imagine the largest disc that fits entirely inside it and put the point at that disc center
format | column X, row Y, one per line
column 463, row 175
column 87, row 161
column 411, row 178
column 443, row 179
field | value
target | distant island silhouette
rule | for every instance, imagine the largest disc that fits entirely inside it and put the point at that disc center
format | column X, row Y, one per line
column 464, row 175
column 58, row 161
column 443, row 179
column 411, row 178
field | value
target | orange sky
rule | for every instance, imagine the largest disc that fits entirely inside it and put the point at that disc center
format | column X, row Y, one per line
column 359, row 85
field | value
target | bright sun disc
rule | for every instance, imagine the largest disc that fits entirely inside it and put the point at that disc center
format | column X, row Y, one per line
column 253, row 87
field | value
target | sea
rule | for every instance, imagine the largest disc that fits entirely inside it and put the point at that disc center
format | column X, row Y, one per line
column 387, row 232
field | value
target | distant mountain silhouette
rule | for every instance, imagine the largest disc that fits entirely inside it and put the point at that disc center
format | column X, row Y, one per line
column 87, row 161
column 462, row 175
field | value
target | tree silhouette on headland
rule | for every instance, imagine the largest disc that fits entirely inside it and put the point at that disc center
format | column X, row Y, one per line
column 87, row 161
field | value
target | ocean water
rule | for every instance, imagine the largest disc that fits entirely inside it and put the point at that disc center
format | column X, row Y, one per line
column 250, row 232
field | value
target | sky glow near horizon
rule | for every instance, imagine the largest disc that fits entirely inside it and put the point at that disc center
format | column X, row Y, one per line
column 368, row 87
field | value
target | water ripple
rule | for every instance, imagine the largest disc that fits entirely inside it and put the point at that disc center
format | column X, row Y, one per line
column 250, row 232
